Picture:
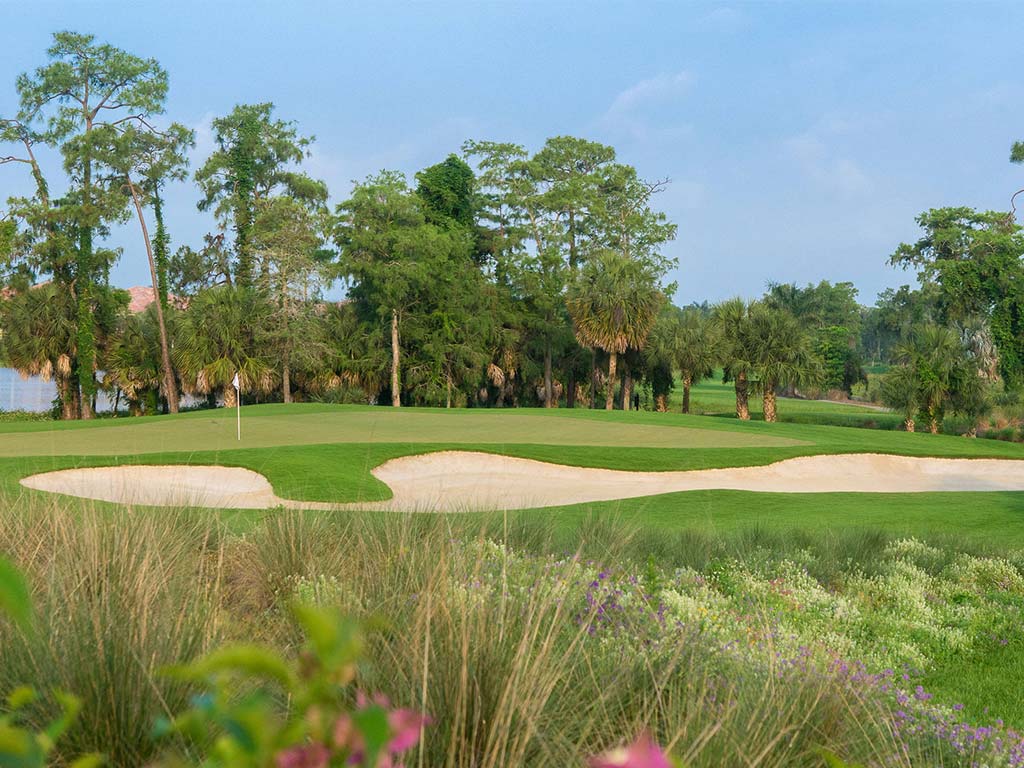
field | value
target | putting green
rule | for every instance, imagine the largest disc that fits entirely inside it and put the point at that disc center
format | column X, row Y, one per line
column 215, row 431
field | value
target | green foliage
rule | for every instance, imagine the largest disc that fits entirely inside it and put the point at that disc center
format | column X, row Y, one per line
column 935, row 371
column 614, row 303
column 401, row 267
column 20, row 746
column 254, row 160
column 219, row 338
column 841, row 360
column 974, row 260
column 448, row 194
column 238, row 722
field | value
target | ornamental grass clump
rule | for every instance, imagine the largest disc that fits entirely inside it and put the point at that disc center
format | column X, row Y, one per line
column 117, row 597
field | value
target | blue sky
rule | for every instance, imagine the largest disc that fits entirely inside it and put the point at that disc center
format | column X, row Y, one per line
column 801, row 138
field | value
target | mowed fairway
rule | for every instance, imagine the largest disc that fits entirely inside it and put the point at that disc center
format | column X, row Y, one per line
column 325, row 453
column 268, row 426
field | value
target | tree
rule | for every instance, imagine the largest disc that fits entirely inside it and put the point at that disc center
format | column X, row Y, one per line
column 935, row 358
column 398, row 267
column 503, row 185
column 973, row 259
column 660, row 354
column 697, row 350
column 613, row 304
column 289, row 240
column 85, row 89
column 217, row 339
column 145, row 160
column 39, row 339
column 133, row 362
column 831, row 313
column 901, row 389
column 566, row 173
column 781, row 353
column 254, row 159
column 448, row 194
column 732, row 321
column 190, row 271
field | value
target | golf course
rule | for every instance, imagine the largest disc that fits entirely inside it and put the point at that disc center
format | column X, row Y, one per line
column 511, row 385
column 323, row 453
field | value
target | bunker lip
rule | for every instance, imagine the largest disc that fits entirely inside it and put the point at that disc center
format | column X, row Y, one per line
column 463, row 481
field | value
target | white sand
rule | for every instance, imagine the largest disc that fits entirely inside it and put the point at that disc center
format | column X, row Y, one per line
column 462, row 481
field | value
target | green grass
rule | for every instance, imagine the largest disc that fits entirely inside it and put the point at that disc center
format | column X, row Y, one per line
column 326, row 452
column 713, row 398
column 366, row 437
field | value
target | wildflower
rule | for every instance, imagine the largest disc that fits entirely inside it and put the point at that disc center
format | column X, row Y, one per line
column 305, row 756
column 642, row 753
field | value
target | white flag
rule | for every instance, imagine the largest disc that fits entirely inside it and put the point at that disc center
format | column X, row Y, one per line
column 235, row 382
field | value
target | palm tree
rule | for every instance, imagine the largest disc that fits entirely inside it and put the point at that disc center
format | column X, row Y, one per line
column 613, row 304
column 782, row 354
column 698, row 350
column 660, row 355
column 216, row 342
column 945, row 372
column 731, row 320
column 39, row 339
column 901, row 391
column 133, row 362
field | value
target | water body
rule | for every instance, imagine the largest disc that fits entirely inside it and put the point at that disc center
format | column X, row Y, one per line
column 33, row 394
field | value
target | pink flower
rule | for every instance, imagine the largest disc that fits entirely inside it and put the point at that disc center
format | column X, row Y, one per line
column 306, row 756
column 405, row 729
column 642, row 753
column 405, row 726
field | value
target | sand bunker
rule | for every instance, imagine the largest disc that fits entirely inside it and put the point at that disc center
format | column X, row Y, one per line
column 461, row 481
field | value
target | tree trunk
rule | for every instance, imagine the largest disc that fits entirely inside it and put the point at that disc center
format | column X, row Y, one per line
column 85, row 333
column 769, row 403
column 627, row 392
column 687, row 381
column 286, row 382
column 570, row 390
column 448, row 391
column 742, row 395
column 160, row 243
column 609, row 396
column 396, row 400
column 908, row 424
column 548, row 389
column 660, row 404
column 68, row 407
column 593, row 378
column 933, row 425
column 170, row 387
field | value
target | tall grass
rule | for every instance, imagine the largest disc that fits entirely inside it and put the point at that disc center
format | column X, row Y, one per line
column 117, row 597
column 505, row 659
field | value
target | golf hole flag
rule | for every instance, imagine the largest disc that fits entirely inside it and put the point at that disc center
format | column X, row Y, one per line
column 238, row 402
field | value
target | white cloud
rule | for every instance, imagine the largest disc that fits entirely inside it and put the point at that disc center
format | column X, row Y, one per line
column 647, row 111
column 659, row 89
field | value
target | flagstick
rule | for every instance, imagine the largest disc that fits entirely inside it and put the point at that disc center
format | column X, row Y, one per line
column 237, row 384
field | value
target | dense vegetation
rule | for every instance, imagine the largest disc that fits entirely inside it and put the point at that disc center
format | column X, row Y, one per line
column 496, row 277
column 745, row 649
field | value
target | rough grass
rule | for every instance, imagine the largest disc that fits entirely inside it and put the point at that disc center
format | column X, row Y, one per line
column 512, row 676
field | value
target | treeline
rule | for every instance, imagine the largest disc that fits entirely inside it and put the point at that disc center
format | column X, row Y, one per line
column 497, row 277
